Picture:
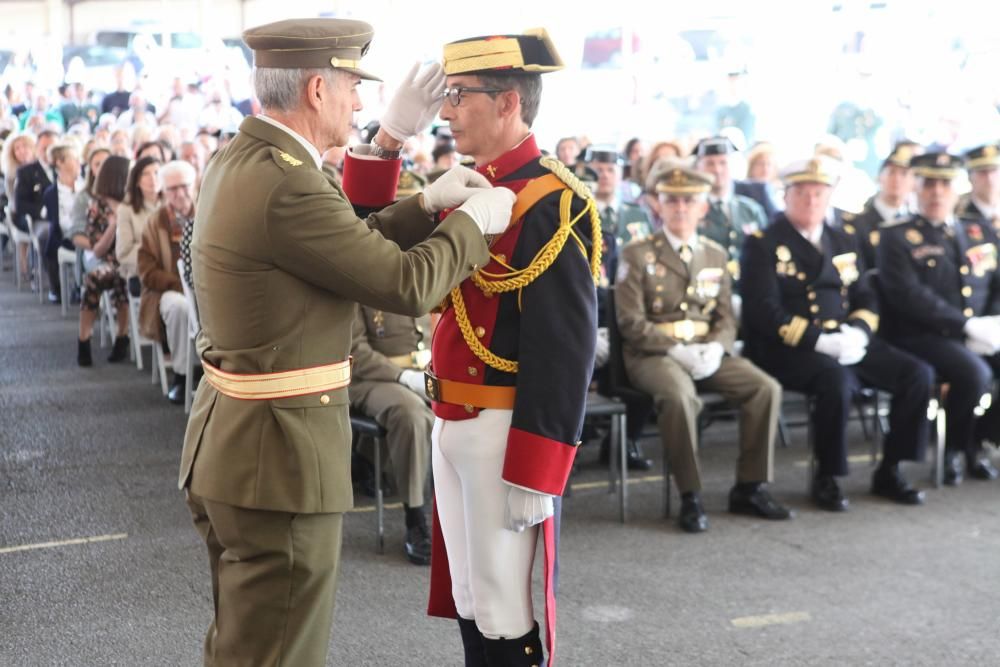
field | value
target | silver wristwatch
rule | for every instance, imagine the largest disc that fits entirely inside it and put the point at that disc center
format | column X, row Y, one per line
column 383, row 153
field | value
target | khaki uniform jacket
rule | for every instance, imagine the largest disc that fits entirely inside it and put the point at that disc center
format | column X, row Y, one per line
column 280, row 262
column 157, row 272
column 379, row 335
column 654, row 285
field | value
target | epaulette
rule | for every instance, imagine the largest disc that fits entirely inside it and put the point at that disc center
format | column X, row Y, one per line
column 709, row 243
column 758, row 234
column 285, row 160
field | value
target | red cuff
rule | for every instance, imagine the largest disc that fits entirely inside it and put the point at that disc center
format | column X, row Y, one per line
column 538, row 463
column 370, row 183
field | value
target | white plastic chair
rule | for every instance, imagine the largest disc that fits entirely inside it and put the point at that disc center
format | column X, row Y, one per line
column 138, row 340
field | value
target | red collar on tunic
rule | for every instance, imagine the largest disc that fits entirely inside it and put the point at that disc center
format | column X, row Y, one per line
column 511, row 161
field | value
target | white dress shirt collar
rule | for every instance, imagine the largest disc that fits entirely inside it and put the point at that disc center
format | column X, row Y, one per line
column 676, row 242
column 887, row 212
column 984, row 208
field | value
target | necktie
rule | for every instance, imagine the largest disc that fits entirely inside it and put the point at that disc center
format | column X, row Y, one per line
column 685, row 253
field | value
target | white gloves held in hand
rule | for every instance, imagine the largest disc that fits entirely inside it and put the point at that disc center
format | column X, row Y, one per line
column 983, row 335
column 848, row 346
column 526, row 509
column 453, row 188
column 602, row 350
column 701, row 360
column 416, row 102
column 414, row 381
column 490, row 209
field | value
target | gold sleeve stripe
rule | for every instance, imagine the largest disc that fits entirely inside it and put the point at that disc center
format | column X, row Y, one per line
column 792, row 332
column 867, row 316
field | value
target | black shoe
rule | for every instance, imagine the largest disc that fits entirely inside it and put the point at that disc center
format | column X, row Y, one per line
column 176, row 393
column 827, row 494
column 983, row 469
column 953, row 469
column 692, row 518
column 888, row 482
column 120, row 350
column 418, row 537
column 633, row 454
column 756, row 500
column 472, row 642
column 523, row 651
column 83, row 357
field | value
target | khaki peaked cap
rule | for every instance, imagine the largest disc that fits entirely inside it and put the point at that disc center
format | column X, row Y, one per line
column 311, row 44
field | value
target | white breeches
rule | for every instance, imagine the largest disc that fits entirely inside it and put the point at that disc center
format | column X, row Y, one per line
column 174, row 311
column 490, row 565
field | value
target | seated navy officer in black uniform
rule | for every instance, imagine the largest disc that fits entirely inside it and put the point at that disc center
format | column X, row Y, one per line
column 810, row 321
column 942, row 293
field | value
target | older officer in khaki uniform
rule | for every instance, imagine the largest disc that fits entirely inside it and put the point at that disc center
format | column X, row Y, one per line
column 280, row 261
column 673, row 304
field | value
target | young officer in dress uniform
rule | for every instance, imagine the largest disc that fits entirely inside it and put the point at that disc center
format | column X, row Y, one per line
column 812, row 326
column 983, row 203
column 672, row 297
column 512, row 359
column 280, row 262
column 890, row 204
column 942, row 295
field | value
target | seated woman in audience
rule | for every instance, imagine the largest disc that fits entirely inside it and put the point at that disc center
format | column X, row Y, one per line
column 95, row 158
column 58, row 199
column 142, row 197
column 18, row 150
column 100, row 263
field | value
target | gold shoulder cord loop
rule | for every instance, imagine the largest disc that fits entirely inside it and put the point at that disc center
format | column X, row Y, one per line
column 518, row 279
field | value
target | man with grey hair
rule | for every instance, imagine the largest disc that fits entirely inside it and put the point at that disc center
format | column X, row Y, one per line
column 163, row 310
column 280, row 263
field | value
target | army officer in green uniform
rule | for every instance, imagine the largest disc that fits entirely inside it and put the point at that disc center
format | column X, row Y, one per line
column 673, row 302
column 280, row 262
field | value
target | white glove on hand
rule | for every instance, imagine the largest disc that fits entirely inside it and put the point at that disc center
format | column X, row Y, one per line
column 490, row 209
column 416, row 102
column 453, row 188
column 984, row 330
column 685, row 355
column 602, row 351
column 855, row 345
column 979, row 347
column 526, row 509
column 831, row 345
column 711, row 358
column 414, row 381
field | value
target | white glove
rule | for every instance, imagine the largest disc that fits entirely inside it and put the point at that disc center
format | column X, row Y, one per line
column 602, row 351
column 416, row 102
column 526, row 509
column 855, row 345
column 414, row 381
column 979, row 347
column 710, row 359
column 686, row 356
column 490, row 209
column 831, row 344
column 453, row 188
column 985, row 330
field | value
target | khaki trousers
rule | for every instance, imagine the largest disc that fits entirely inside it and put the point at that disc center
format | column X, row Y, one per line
column 274, row 578
column 407, row 420
column 675, row 396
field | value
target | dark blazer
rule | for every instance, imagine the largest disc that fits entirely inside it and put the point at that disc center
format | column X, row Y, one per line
column 50, row 200
column 792, row 292
column 29, row 186
column 760, row 193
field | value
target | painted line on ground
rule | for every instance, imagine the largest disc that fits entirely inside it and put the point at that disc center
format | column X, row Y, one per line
column 771, row 619
column 63, row 543
column 854, row 458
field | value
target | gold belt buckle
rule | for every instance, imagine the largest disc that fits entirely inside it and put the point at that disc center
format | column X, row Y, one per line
column 420, row 358
column 432, row 387
column 684, row 330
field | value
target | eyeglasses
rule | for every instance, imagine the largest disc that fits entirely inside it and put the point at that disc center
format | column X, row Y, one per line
column 454, row 95
column 177, row 188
